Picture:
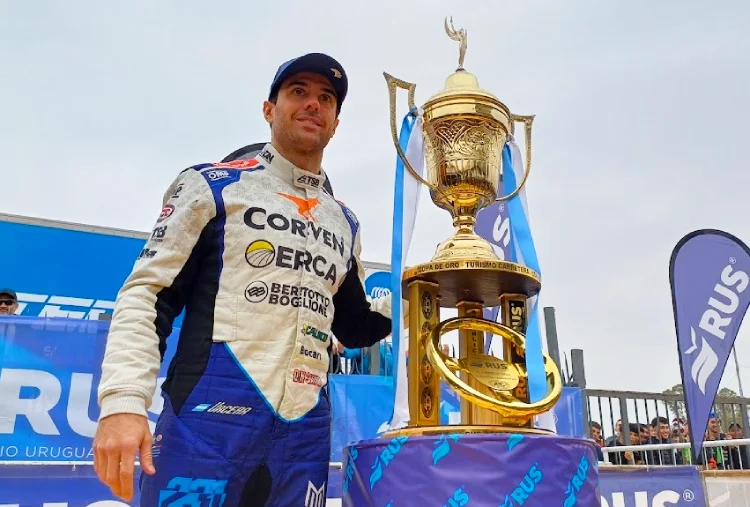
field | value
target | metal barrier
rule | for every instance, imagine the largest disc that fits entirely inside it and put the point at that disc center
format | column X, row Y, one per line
column 608, row 408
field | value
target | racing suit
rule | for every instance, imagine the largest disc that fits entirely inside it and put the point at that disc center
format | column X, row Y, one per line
column 266, row 264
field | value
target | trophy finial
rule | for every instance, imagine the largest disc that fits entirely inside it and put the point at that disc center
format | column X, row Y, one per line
column 460, row 36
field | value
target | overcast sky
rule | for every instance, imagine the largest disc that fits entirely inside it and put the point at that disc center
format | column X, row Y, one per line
column 640, row 135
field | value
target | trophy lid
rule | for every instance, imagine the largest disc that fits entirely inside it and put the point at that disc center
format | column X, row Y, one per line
column 462, row 95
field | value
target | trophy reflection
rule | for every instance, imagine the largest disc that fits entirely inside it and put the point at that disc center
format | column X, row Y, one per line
column 465, row 129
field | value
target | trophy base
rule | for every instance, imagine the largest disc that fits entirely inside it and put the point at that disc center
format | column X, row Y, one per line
column 475, row 280
column 460, row 429
column 505, row 469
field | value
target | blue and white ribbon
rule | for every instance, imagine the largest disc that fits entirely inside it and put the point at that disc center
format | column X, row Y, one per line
column 524, row 253
column 406, row 202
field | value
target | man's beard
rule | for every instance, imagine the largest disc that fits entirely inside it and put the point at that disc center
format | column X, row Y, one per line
column 296, row 140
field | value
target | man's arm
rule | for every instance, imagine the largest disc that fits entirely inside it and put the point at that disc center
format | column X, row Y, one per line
column 153, row 296
column 358, row 320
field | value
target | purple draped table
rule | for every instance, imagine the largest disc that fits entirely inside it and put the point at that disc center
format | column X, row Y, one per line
column 453, row 470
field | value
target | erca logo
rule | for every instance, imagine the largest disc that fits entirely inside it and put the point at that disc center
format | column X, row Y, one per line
column 526, row 488
column 665, row 498
column 260, row 253
column 459, row 498
column 315, row 497
column 713, row 321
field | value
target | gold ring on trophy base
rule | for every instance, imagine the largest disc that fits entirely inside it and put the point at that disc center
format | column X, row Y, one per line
column 461, row 429
column 482, row 281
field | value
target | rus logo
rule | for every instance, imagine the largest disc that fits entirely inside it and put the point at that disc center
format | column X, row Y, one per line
column 722, row 306
column 526, row 488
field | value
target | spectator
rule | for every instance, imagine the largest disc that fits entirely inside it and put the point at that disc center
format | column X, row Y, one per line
column 361, row 359
column 618, row 431
column 714, row 458
column 8, row 302
column 739, row 457
column 596, row 436
column 662, row 435
column 627, row 457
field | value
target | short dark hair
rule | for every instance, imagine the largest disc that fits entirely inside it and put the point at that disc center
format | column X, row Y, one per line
column 656, row 421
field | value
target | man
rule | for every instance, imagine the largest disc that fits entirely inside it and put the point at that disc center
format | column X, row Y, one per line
column 266, row 264
column 627, row 457
column 8, row 302
column 596, row 436
column 662, row 435
column 714, row 458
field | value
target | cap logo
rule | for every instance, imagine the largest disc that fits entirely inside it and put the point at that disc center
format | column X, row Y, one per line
column 336, row 73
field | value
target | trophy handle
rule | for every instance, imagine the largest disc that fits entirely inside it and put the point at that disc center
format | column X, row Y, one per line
column 501, row 403
column 393, row 84
column 527, row 120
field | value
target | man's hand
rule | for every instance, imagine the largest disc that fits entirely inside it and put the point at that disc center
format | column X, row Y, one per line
column 118, row 439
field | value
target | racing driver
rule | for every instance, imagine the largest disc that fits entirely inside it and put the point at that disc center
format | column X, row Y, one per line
column 265, row 263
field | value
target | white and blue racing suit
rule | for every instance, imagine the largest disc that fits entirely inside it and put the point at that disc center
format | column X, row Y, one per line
column 265, row 263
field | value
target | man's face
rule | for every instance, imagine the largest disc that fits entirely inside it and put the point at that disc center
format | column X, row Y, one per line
column 596, row 433
column 736, row 432
column 8, row 305
column 713, row 425
column 304, row 116
column 618, row 427
column 664, row 431
column 645, row 435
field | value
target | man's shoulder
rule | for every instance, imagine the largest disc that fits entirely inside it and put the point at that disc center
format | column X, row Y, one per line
column 351, row 217
column 235, row 165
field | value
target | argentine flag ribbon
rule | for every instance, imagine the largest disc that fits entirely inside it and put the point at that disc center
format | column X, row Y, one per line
column 405, row 204
column 523, row 252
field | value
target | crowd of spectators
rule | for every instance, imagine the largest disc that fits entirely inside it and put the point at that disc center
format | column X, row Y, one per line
column 660, row 431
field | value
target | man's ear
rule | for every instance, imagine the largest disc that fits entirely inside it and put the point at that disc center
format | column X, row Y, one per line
column 335, row 126
column 268, row 111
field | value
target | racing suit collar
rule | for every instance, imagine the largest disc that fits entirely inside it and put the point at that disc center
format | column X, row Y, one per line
column 290, row 173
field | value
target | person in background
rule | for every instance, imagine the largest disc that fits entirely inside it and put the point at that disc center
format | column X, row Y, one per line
column 627, row 457
column 596, row 436
column 662, row 435
column 739, row 457
column 361, row 359
column 714, row 458
column 618, row 431
column 8, row 302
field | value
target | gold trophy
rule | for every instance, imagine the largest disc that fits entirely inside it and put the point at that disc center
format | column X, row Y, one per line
column 465, row 129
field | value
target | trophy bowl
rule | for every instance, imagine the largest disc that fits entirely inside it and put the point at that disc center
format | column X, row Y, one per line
column 465, row 129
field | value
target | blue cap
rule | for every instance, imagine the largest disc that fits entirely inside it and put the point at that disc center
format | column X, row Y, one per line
column 317, row 63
